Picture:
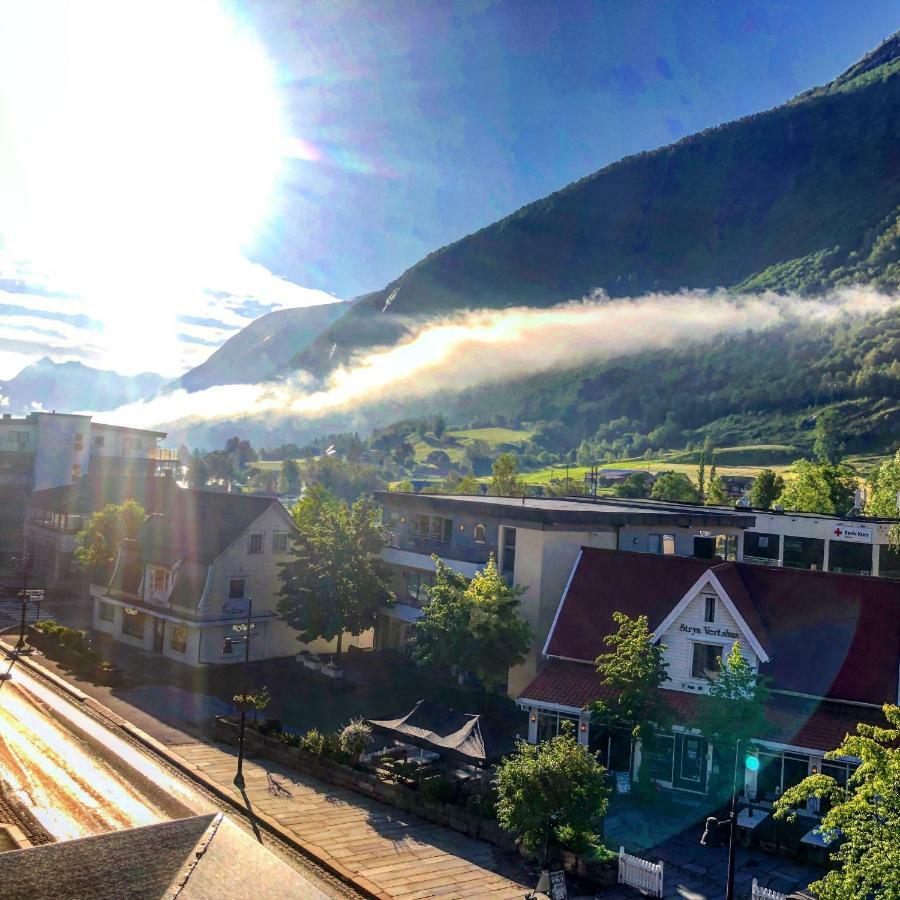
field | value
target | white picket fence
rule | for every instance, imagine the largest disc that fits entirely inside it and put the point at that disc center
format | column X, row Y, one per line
column 640, row 874
column 764, row 893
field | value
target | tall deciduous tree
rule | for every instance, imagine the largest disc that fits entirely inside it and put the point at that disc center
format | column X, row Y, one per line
column 473, row 626
column 336, row 581
column 198, row 471
column 635, row 669
column 505, row 479
column 828, row 445
column 290, row 476
column 674, row 486
column 816, row 487
column 97, row 544
column 716, row 495
column 555, row 790
column 867, row 812
column 766, row 488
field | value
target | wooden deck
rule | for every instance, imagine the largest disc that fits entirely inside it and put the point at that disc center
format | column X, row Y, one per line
column 392, row 853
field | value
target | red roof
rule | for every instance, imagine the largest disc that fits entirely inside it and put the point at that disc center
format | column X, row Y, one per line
column 796, row 721
column 828, row 635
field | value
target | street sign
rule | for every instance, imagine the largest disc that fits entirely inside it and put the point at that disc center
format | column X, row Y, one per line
column 558, row 890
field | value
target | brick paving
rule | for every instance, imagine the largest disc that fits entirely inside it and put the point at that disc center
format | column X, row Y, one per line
column 392, row 853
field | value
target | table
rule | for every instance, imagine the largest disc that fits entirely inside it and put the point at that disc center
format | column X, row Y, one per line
column 747, row 824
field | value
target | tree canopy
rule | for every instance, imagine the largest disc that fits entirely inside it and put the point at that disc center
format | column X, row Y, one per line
column 674, row 486
column 765, row 490
column 884, row 498
column 819, row 487
column 290, row 476
column 555, row 790
column 97, row 544
column 635, row 669
column 473, row 626
column 828, row 445
column 505, row 478
column 866, row 810
column 336, row 581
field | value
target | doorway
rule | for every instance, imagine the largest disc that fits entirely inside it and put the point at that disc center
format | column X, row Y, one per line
column 690, row 763
column 159, row 631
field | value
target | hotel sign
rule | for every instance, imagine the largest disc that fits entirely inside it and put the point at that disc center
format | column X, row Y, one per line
column 709, row 631
column 856, row 534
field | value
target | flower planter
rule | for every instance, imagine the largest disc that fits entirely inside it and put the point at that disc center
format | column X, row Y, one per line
column 332, row 672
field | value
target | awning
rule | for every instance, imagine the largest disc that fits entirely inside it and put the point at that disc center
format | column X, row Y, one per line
column 464, row 736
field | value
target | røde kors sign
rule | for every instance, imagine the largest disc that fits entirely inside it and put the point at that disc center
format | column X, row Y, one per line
column 857, row 534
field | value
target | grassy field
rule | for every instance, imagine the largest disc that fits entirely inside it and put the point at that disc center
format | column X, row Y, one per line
column 454, row 442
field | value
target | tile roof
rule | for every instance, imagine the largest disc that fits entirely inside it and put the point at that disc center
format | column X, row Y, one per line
column 828, row 635
column 797, row 721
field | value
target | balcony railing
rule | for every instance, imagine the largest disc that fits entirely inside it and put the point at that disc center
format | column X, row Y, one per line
column 464, row 552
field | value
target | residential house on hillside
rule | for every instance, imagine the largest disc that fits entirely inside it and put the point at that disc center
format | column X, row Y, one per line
column 54, row 517
column 184, row 583
column 830, row 644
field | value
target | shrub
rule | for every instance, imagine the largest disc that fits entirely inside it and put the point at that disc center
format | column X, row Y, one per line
column 355, row 738
column 437, row 789
column 313, row 742
column 484, row 803
column 270, row 726
column 289, row 738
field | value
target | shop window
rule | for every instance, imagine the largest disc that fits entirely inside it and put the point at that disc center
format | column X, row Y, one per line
column 281, row 542
column 726, row 546
column 804, row 553
column 480, row 534
column 133, row 624
column 509, row 552
column 851, row 559
column 706, row 661
column 549, row 724
column 778, row 772
column 178, row 639
column 888, row 562
column 255, row 544
column 106, row 612
column 838, row 770
column 762, row 547
column 658, row 754
column 709, row 609
column 236, row 588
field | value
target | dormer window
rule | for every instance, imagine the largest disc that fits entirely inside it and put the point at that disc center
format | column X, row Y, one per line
column 709, row 611
column 159, row 580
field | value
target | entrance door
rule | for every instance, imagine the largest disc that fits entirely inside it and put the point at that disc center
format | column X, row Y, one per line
column 159, row 630
column 690, row 763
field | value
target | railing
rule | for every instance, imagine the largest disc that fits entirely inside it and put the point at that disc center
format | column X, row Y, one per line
column 474, row 553
column 641, row 874
column 764, row 893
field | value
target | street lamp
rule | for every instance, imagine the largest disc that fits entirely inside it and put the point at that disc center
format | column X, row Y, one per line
column 25, row 597
column 228, row 648
column 711, row 831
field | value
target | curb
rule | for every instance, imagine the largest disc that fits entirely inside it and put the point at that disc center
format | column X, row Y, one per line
column 313, row 852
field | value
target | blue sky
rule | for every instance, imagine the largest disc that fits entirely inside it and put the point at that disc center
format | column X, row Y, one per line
column 169, row 171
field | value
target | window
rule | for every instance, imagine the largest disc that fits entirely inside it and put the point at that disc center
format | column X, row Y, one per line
column 432, row 528
column 106, row 612
column 851, row 559
column 19, row 439
column 133, row 624
column 79, row 441
column 159, row 580
column 480, row 534
column 256, row 543
column 99, row 440
column 509, row 551
column 761, row 547
column 668, row 544
column 76, row 472
column 236, row 588
column 709, row 610
column 417, row 584
column 178, row 639
column 888, row 562
column 707, row 660
column 659, row 756
column 779, row 771
column 726, row 546
column 281, row 541
column 803, row 553
column 549, row 724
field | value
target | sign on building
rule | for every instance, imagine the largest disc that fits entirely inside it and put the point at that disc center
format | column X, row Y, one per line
column 856, row 534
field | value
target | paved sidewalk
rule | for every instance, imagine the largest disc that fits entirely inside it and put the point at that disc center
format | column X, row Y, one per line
column 392, row 853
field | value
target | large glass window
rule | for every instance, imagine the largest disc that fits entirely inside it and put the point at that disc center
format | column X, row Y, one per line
column 779, row 771
column 417, row 584
column 851, row 559
column 133, row 624
column 706, row 661
column 658, row 754
column 760, row 547
column 432, row 528
column 804, row 553
column 549, row 723
column 281, row 542
column 726, row 546
column 888, row 562
column 178, row 639
column 106, row 612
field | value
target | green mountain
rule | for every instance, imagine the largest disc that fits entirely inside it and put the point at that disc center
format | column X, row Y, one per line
column 802, row 197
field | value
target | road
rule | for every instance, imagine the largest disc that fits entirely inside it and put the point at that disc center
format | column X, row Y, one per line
column 77, row 776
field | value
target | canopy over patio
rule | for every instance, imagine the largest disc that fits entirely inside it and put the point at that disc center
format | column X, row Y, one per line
column 465, row 737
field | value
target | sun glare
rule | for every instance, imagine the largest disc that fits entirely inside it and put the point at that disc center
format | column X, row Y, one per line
column 142, row 143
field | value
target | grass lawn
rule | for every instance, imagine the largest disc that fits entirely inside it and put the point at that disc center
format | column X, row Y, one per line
column 493, row 435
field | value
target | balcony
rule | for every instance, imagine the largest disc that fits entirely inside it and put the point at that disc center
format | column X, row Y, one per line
column 464, row 552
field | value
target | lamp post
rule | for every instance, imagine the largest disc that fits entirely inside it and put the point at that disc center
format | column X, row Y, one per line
column 229, row 648
column 24, row 597
column 712, row 826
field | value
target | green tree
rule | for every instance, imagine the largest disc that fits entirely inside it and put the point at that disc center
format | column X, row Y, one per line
column 263, row 481
column 817, row 487
column 336, row 581
column 867, row 812
column 440, row 426
column 198, row 471
column 635, row 485
column 884, row 497
column 701, row 477
column 635, row 670
column 345, row 480
column 505, row 479
column 765, row 490
column 716, row 495
column 733, row 710
column 97, row 544
column 404, row 486
column 674, row 486
column 555, row 790
column 290, row 476
column 473, row 627
column 220, row 466
column 828, row 446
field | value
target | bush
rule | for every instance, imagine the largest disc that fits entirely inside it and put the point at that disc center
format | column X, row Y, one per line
column 355, row 738
column 437, row 789
column 313, row 742
column 291, row 739
column 484, row 803
column 270, row 726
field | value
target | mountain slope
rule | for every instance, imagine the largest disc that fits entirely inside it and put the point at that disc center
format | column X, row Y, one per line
column 802, row 196
column 256, row 352
column 71, row 386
